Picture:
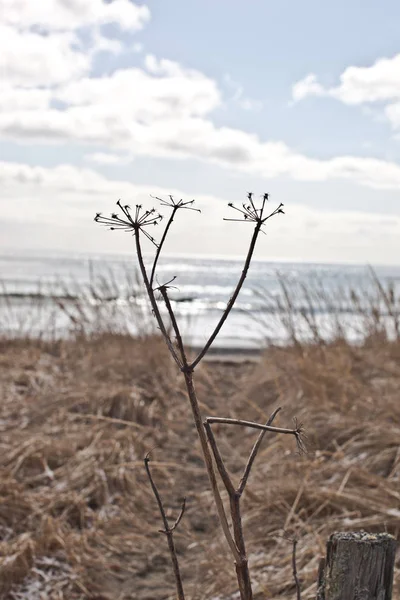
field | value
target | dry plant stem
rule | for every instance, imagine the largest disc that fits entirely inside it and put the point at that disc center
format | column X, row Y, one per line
column 198, row 420
column 175, row 327
column 160, row 246
column 253, row 453
column 153, row 301
column 234, row 296
column 168, row 531
column 230, row 488
column 242, row 570
column 188, row 373
column 242, row 567
column 241, row 564
column 294, row 567
column 251, row 214
column 228, row 421
column 208, row 461
column 236, row 544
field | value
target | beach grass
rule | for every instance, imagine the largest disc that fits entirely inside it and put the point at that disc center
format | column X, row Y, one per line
column 77, row 517
column 79, row 412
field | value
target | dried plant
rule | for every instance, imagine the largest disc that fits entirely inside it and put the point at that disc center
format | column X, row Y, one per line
column 137, row 223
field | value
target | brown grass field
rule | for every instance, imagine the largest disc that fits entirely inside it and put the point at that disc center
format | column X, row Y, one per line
column 77, row 516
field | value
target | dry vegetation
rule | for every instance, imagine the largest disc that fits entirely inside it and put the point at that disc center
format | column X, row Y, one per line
column 77, row 516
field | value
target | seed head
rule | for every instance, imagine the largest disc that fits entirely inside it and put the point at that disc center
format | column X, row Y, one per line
column 251, row 214
column 131, row 222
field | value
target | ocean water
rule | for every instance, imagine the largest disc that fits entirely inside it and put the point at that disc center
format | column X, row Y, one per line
column 53, row 294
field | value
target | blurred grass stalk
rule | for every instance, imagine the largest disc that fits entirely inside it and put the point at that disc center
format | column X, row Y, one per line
column 70, row 307
column 297, row 314
column 312, row 313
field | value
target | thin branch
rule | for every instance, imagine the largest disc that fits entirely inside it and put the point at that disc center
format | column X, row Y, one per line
column 242, row 567
column 241, row 422
column 294, row 542
column 164, row 294
column 178, row 520
column 253, row 454
column 242, row 570
column 209, row 463
column 160, row 246
column 153, row 301
column 175, row 207
column 254, row 215
column 298, row 431
column 294, row 567
column 230, row 488
column 169, row 531
column 156, row 492
column 235, row 294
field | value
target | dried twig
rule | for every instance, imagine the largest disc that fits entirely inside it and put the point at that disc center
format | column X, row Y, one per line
column 294, row 542
column 236, row 493
column 153, row 301
column 163, row 291
column 298, row 431
column 168, row 531
column 218, row 460
column 254, row 452
column 294, row 567
column 175, row 207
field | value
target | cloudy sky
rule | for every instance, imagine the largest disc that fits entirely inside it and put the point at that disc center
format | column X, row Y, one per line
column 205, row 99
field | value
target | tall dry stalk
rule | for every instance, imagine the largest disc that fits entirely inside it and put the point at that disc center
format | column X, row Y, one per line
column 137, row 222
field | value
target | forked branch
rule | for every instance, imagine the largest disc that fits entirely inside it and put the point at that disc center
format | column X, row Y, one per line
column 153, row 301
column 164, row 293
column 251, row 214
column 235, row 494
column 253, row 453
column 175, row 207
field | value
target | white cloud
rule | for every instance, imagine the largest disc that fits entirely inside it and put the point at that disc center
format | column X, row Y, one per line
column 29, row 193
column 378, row 83
column 64, row 15
column 166, row 91
column 41, row 42
column 164, row 111
column 358, row 85
column 29, row 59
column 22, row 99
column 308, row 86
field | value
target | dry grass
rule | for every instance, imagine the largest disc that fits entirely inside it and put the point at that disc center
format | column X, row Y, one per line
column 77, row 517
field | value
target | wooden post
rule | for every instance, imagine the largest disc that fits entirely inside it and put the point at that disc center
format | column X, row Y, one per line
column 358, row 566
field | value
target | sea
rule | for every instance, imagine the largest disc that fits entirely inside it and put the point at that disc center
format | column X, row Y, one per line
column 54, row 295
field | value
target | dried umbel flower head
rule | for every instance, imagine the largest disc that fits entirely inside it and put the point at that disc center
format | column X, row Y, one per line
column 251, row 214
column 300, row 436
column 175, row 205
column 131, row 222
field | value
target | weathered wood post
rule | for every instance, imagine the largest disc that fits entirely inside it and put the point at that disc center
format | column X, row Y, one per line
column 358, row 566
